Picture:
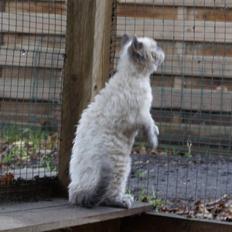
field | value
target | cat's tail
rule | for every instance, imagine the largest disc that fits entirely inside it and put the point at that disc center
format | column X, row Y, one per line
column 93, row 197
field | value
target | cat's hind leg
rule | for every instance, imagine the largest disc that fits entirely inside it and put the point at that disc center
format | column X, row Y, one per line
column 91, row 195
column 116, row 196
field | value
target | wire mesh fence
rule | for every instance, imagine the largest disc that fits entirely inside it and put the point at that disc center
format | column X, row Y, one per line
column 31, row 61
column 192, row 97
column 192, row 102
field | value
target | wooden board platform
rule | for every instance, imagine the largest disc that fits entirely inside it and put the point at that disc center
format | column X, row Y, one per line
column 169, row 222
column 57, row 214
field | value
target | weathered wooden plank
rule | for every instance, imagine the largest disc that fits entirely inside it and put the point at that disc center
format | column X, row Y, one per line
column 147, row 11
column 31, row 73
column 46, row 216
column 191, row 3
column 191, row 82
column 47, row 7
column 170, row 222
column 26, row 107
column 30, row 83
column 202, row 49
column 192, row 99
column 26, row 112
column 55, row 1
column 203, row 31
column 203, row 66
column 110, row 226
column 2, row 8
column 33, row 23
column 34, row 40
column 200, row 130
column 48, row 89
column 174, row 12
column 205, row 83
column 191, row 116
column 64, row 1
column 209, row 14
column 40, row 121
column 32, row 57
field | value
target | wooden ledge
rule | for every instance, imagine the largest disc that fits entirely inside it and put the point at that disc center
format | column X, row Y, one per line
column 169, row 222
column 57, row 214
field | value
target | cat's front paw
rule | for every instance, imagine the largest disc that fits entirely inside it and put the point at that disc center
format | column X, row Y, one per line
column 153, row 137
column 127, row 201
column 156, row 130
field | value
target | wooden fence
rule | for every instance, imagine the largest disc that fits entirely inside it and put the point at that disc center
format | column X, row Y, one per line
column 31, row 60
column 192, row 90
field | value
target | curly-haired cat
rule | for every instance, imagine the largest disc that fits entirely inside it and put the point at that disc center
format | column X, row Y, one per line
column 100, row 161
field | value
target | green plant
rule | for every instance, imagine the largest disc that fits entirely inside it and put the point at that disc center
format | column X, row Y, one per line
column 140, row 174
column 156, row 203
column 24, row 144
column 17, row 152
column 10, row 133
column 189, row 146
column 48, row 162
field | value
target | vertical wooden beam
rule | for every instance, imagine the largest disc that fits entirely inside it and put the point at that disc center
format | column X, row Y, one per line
column 86, row 67
column 2, row 9
column 101, row 52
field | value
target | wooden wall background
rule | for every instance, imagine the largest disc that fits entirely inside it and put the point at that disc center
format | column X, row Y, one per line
column 31, row 60
column 193, row 89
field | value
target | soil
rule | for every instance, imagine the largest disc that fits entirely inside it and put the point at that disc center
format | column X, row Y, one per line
column 181, row 179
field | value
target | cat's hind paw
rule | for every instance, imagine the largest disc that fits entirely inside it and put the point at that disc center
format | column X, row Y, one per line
column 127, row 201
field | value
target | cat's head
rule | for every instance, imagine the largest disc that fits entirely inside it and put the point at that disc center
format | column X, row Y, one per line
column 142, row 53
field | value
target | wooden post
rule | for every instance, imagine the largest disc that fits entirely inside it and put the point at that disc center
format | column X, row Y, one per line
column 2, row 9
column 86, row 67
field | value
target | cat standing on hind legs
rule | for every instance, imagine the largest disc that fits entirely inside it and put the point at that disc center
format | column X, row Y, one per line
column 100, row 161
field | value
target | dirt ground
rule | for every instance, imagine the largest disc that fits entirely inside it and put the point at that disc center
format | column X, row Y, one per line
column 181, row 179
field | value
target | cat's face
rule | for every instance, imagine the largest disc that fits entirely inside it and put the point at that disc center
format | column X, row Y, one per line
column 143, row 53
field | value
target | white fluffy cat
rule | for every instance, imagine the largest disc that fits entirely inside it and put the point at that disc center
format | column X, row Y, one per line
column 100, row 161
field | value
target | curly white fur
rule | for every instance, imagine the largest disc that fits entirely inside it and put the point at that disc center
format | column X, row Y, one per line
column 100, row 161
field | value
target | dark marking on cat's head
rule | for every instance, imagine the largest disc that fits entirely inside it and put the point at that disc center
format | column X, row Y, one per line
column 138, row 54
column 145, row 54
column 141, row 55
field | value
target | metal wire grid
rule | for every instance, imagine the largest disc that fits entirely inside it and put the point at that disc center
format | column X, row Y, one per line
column 29, row 57
column 192, row 99
column 32, row 54
column 192, row 90
column 180, row 180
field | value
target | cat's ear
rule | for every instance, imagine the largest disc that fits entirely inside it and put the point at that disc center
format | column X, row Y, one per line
column 136, row 45
column 125, row 39
column 137, row 50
